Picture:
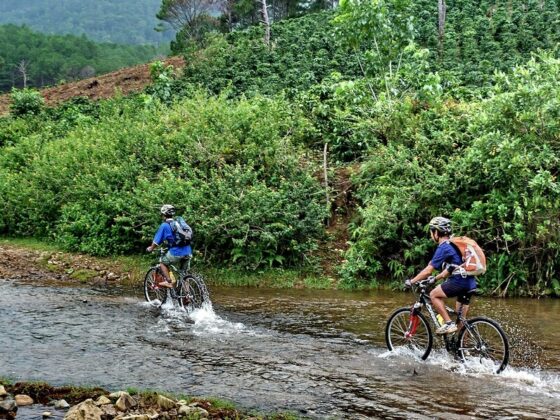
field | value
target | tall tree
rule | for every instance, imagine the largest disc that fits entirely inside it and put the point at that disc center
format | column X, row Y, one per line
column 187, row 16
column 23, row 69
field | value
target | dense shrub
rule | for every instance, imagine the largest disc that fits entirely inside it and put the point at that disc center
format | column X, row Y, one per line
column 302, row 53
column 234, row 169
column 491, row 166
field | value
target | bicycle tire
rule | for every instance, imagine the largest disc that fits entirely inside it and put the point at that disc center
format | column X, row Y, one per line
column 399, row 324
column 193, row 294
column 492, row 335
column 153, row 294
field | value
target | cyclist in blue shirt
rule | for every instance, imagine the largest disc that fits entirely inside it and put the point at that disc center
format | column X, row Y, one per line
column 175, row 254
column 456, row 285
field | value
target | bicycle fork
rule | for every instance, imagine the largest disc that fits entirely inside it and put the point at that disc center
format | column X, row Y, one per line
column 414, row 320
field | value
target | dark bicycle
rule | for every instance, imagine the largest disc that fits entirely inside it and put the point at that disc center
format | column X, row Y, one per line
column 478, row 339
column 189, row 289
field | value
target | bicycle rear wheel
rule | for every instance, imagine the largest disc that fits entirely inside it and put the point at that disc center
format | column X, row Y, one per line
column 484, row 341
column 152, row 292
column 193, row 293
column 408, row 331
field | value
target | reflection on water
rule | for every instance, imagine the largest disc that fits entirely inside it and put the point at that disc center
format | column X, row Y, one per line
column 317, row 353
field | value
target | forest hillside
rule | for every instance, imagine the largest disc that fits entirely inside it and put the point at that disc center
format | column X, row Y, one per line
column 32, row 59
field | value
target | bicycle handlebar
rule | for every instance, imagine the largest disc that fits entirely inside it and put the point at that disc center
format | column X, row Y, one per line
column 424, row 284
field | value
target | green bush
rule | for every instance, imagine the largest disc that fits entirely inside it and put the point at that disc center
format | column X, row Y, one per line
column 26, row 102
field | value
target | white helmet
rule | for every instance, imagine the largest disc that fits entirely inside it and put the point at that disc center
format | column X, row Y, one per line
column 167, row 210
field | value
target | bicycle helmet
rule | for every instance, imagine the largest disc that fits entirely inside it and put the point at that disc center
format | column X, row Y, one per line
column 441, row 224
column 167, row 210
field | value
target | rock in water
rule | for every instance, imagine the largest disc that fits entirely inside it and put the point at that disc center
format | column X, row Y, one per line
column 86, row 410
column 61, row 405
column 23, row 400
column 8, row 407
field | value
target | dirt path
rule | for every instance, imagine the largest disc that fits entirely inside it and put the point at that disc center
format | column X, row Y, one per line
column 124, row 81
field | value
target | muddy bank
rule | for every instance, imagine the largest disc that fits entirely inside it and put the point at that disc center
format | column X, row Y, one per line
column 19, row 262
column 77, row 402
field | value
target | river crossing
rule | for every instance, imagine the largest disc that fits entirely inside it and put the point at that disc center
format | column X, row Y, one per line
column 319, row 354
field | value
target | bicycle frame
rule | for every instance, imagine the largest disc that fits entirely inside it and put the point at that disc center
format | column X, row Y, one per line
column 479, row 338
column 188, row 287
column 424, row 301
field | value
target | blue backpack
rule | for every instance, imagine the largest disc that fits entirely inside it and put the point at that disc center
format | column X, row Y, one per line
column 182, row 232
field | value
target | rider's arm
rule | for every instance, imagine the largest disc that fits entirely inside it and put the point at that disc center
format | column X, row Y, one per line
column 443, row 275
column 152, row 247
column 159, row 237
column 424, row 274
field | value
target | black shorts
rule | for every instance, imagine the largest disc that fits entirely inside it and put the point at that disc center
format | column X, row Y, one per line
column 453, row 287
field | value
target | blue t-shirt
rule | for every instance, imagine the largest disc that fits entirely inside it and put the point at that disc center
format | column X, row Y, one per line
column 447, row 254
column 165, row 233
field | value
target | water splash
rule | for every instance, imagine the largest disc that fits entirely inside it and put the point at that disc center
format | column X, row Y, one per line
column 525, row 379
column 202, row 321
column 206, row 321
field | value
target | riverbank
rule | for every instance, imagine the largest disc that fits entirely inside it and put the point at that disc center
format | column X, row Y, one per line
column 36, row 258
column 76, row 403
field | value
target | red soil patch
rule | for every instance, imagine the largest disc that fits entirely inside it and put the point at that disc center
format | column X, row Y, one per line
column 124, row 81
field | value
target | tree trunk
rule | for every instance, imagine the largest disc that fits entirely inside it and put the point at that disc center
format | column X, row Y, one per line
column 22, row 68
column 266, row 21
column 442, row 8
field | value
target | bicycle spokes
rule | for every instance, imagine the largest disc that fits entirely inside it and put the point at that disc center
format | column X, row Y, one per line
column 408, row 330
column 483, row 340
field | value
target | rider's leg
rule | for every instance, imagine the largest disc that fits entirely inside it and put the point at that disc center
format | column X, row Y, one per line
column 437, row 295
column 164, row 263
column 165, row 272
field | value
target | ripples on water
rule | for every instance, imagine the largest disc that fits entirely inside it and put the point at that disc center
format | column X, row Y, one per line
column 317, row 354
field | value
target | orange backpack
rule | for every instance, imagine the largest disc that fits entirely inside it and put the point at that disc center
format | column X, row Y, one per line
column 474, row 260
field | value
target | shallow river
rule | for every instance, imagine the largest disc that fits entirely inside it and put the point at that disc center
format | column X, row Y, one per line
column 316, row 353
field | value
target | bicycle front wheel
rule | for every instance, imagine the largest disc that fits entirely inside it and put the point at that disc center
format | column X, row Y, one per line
column 152, row 292
column 484, row 341
column 408, row 331
column 193, row 293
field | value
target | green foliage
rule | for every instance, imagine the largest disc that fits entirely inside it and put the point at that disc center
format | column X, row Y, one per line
column 515, row 156
column 429, row 128
column 233, row 168
column 162, row 81
column 384, row 26
column 482, row 37
column 387, row 41
column 25, row 102
column 491, row 166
